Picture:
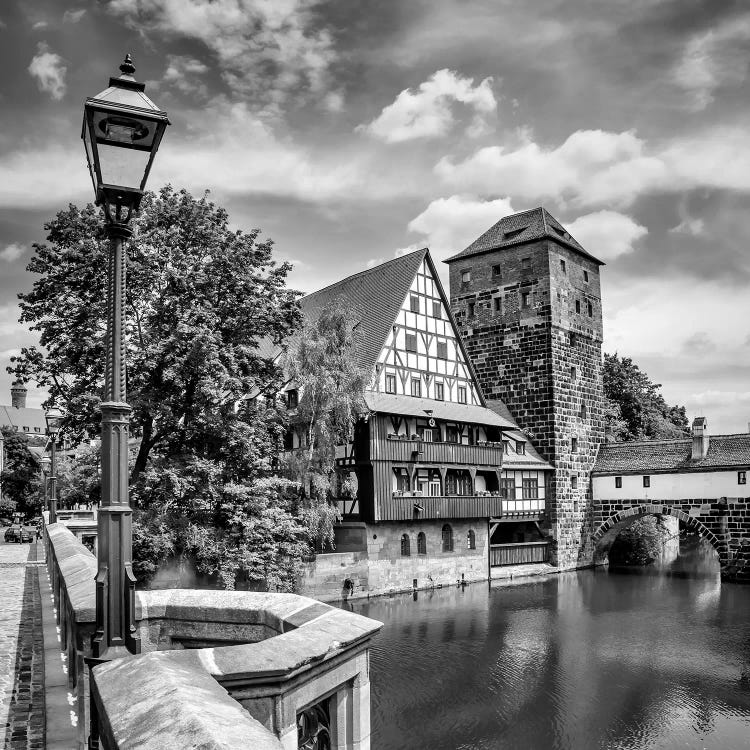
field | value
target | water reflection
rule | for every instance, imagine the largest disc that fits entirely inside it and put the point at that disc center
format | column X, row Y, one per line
column 592, row 659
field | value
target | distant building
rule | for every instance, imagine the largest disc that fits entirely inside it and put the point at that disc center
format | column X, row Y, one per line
column 21, row 418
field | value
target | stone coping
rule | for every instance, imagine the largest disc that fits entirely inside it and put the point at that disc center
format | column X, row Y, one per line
column 172, row 703
column 309, row 631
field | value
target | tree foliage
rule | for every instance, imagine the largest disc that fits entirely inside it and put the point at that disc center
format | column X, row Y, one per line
column 20, row 479
column 321, row 362
column 634, row 408
column 641, row 543
column 202, row 302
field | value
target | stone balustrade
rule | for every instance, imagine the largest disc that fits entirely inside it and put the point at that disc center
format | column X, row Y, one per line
column 228, row 669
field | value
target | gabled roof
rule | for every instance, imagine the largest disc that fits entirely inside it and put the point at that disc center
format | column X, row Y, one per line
column 516, row 229
column 667, row 456
column 375, row 296
column 11, row 416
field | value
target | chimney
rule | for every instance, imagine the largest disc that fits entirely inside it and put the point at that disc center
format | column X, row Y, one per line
column 18, row 393
column 700, row 439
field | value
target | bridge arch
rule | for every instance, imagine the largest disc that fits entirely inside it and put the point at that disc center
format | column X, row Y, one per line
column 605, row 535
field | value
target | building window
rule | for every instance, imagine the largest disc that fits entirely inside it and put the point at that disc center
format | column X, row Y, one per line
column 437, row 310
column 25, row 429
column 390, row 383
column 442, row 349
column 498, row 304
column 646, row 481
column 506, row 447
column 472, row 308
column 461, row 394
column 520, row 447
column 421, row 543
column 525, row 264
column 530, row 488
column 578, row 306
column 586, row 276
column 562, row 266
column 447, row 536
column 574, row 482
column 590, row 309
column 465, row 277
column 288, row 440
column 414, row 303
column 496, row 270
column 574, row 445
column 402, row 480
column 292, row 398
column 741, row 477
column 572, row 338
column 618, row 483
column 411, row 342
column 451, row 434
column 471, row 540
column 508, row 488
column 573, row 373
column 525, row 300
column 416, row 387
column 439, row 393
column 584, row 410
column 405, row 546
column 37, row 429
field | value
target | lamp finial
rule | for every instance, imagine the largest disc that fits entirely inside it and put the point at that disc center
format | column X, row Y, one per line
column 127, row 66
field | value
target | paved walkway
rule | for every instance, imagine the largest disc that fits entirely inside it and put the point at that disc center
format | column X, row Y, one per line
column 22, row 705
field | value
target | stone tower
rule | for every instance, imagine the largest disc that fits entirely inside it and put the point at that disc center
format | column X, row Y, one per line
column 18, row 393
column 527, row 299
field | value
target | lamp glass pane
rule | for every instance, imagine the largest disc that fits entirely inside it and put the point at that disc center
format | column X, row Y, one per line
column 123, row 128
column 124, row 167
column 89, row 153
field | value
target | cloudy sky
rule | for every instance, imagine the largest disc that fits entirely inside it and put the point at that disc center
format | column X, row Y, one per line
column 350, row 131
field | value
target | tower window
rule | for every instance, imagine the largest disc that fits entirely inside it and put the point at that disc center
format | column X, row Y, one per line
column 442, row 349
column 584, row 410
column 573, row 339
column 496, row 271
column 578, row 306
column 498, row 304
column 465, row 277
column 562, row 266
column 525, row 264
column 471, row 308
column 647, row 481
column 618, row 483
column 574, row 445
column 439, row 393
column 461, row 394
column 390, row 383
column 574, row 482
column 416, row 387
column 573, row 373
column 525, row 300
column 586, row 276
column 437, row 310
column 590, row 309
column 414, row 303
column 411, row 342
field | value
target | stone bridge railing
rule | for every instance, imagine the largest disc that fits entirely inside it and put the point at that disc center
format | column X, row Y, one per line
column 219, row 669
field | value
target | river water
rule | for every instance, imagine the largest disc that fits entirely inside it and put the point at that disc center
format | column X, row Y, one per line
column 587, row 659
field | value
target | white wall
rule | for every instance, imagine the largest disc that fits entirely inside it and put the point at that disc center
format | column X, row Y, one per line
column 677, row 486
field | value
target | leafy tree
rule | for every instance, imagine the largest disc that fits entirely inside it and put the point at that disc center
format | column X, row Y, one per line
column 203, row 304
column 20, row 480
column 634, row 408
column 321, row 363
column 78, row 478
column 641, row 543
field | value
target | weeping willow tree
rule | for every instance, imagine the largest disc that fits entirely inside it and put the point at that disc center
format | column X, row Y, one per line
column 321, row 363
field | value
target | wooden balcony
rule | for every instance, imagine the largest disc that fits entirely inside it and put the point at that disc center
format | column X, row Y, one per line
column 422, row 451
column 402, row 507
column 521, row 553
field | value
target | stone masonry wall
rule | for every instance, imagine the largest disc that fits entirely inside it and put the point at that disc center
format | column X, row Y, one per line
column 525, row 356
column 383, row 570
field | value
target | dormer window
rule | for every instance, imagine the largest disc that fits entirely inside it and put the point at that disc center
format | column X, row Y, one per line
column 506, row 447
column 520, row 447
column 465, row 276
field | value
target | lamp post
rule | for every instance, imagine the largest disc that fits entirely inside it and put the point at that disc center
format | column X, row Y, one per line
column 122, row 129
column 54, row 420
column 46, row 464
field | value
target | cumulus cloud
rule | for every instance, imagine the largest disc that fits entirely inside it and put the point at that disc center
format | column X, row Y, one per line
column 12, row 252
column 448, row 225
column 428, row 112
column 47, row 69
column 267, row 50
column 73, row 16
column 699, row 343
column 712, row 59
column 606, row 234
column 719, row 398
column 182, row 72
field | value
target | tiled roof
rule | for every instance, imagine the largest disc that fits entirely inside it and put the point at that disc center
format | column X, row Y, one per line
column 527, row 226
column 375, row 297
column 528, row 460
column 11, row 416
column 412, row 406
column 660, row 456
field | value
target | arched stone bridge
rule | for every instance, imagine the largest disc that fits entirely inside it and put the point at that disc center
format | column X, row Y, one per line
column 723, row 522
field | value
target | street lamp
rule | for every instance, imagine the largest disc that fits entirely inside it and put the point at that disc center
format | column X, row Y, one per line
column 46, row 465
column 54, row 419
column 122, row 129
